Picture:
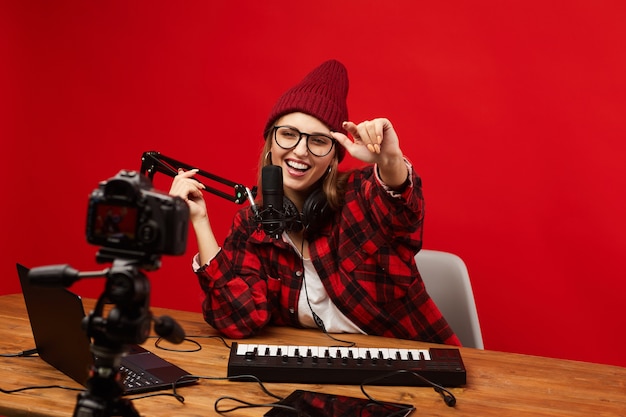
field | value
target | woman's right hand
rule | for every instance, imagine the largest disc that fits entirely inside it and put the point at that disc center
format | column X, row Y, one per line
column 189, row 189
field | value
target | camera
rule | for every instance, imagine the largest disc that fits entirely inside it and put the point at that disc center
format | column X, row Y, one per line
column 126, row 214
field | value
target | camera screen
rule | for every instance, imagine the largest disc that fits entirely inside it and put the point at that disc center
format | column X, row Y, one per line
column 317, row 404
column 114, row 222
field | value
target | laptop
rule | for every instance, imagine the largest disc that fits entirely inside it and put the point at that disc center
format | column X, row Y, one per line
column 56, row 315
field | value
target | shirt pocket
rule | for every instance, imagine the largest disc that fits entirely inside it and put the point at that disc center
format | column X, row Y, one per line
column 383, row 276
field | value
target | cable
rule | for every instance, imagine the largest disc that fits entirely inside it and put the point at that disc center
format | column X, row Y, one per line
column 23, row 354
column 197, row 345
column 13, row 391
column 402, row 410
column 447, row 396
column 189, row 339
column 224, row 398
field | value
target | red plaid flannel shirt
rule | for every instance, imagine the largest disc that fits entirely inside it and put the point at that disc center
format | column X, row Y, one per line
column 364, row 257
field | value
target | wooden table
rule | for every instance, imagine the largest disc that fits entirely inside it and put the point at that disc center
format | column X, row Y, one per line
column 498, row 384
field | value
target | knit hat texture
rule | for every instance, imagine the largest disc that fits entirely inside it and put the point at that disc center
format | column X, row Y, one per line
column 321, row 94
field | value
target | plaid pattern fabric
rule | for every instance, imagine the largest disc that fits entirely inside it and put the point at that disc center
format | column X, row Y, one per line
column 364, row 257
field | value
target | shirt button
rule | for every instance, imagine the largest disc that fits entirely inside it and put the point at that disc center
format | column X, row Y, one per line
column 298, row 274
column 292, row 310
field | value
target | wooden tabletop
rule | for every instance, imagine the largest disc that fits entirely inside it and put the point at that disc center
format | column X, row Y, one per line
column 498, row 384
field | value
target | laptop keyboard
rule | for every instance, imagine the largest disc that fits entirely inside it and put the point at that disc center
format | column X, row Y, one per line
column 137, row 379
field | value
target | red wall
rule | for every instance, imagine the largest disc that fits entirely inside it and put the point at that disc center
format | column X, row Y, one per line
column 512, row 112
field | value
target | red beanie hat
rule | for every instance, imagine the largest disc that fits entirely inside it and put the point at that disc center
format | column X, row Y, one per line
column 321, row 94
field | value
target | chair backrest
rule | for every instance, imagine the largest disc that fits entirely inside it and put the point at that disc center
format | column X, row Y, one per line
column 448, row 283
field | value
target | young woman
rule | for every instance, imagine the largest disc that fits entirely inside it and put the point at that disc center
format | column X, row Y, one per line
column 347, row 268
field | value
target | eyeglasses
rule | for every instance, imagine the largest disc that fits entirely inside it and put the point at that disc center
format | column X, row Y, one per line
column 289, row 137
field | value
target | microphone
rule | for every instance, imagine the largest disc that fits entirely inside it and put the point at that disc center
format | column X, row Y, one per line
column 273, row 214
column 169, row 329
column 53, row 276
column 58, row 275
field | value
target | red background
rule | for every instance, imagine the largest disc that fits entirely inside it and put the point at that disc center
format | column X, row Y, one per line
column 512, row 112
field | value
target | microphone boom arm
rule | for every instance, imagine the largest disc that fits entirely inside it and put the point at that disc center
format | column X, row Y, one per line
column 153, row 162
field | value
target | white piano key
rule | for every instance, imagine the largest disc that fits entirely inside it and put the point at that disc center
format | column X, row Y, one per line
column 393, row 353
column 317, row 351
column 242, row 349
column 291, row 351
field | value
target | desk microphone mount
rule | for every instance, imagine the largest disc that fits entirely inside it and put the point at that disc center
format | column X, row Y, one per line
column 153, row 162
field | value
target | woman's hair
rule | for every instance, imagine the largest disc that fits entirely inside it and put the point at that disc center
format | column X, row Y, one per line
column 333, row 182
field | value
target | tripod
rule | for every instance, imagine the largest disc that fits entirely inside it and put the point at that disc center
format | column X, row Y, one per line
column 128, row 322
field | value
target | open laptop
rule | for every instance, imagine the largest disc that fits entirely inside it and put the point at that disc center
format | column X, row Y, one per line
column 55, row 317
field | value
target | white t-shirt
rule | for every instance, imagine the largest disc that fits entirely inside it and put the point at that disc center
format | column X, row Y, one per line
column 314, row 298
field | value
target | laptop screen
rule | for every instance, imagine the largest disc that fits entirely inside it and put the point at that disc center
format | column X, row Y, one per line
column 56, row 320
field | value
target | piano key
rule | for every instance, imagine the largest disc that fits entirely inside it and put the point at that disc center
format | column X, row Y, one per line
column 363, row 353
column 242, row 349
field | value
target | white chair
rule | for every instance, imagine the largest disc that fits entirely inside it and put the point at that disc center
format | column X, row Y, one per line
column 447, row 281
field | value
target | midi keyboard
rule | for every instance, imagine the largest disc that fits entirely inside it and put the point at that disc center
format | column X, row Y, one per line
column 347, row 366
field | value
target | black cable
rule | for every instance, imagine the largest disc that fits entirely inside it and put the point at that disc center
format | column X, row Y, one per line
column 189, row 339
column 29, row 353
column 402, row 410
column 13, row 391
column 247, row 405
column 224, row 398
column 220, row 338
column 447, row 396
column 197, row 345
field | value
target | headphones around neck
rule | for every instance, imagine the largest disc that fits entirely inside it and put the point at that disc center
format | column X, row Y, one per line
column 315, row 212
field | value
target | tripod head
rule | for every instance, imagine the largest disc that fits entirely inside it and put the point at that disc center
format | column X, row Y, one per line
column 129, row 320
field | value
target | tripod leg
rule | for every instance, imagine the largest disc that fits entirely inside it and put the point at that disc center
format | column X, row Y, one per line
column 90, row 406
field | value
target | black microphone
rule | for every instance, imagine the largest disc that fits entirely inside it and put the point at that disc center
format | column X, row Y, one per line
column 169, row 329
column 273, row 214
column 59, row 275
column 53, row 276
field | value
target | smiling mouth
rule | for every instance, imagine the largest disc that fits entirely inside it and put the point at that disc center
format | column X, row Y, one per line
column 298, row 166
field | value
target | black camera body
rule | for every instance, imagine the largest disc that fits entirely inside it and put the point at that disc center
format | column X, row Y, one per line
column 127, row 214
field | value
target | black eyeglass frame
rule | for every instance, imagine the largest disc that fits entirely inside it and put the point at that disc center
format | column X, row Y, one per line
column 307, row 135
